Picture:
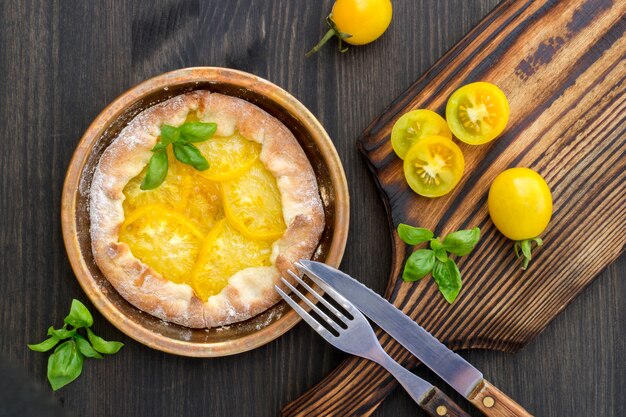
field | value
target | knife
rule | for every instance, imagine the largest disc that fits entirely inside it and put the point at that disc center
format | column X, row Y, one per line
column 452, row 368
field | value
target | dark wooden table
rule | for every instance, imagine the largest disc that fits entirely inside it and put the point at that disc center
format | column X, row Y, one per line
column 62, row 62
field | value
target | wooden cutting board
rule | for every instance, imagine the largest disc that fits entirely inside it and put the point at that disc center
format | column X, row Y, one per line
column 562, row 66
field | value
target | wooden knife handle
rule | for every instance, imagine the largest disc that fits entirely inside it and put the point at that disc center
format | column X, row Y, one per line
column 494, row 403
column 438, row 404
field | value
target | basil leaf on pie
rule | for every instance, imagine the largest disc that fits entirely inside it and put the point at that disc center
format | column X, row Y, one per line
column 169, row 134
column 190, row 155
column 157, row 171
column 197, row 131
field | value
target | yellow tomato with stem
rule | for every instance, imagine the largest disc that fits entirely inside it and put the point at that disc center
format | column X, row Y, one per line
column 356, row 22
column 520, row 206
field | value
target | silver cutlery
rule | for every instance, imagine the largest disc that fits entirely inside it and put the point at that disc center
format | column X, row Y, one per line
column 353, row 334
column 452, row 368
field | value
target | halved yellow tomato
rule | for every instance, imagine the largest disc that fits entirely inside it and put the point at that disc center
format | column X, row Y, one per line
column 477, row 113
column 252, row 204
column 433, row 166
column 415, row 125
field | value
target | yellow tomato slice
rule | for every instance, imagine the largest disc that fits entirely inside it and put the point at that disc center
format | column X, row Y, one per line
column 477, row 113
column 163, row 239
column 224, row 253
column 433, row 166
column 228, row 157
column 252, row 204
column 415, row 125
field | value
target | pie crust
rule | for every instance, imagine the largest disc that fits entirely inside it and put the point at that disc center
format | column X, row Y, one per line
column 249, row 291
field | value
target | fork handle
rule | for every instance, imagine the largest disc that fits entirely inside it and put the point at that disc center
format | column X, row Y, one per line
column 434, row 402
column 438, row 404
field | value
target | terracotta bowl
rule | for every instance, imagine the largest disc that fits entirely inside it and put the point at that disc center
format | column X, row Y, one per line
column 143, row 327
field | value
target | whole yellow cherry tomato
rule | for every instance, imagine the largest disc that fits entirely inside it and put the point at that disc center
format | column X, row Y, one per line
column 477, row 113
column 520, row 205
column 357, row 22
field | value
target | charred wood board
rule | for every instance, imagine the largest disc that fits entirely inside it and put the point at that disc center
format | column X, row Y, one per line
column 562, row 66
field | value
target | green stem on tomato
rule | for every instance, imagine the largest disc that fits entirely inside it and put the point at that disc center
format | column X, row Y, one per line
column 525, row 246
column 333, row 31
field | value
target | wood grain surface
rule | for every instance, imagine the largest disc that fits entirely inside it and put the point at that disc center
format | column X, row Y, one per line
column 562, row 66
column 62, row 62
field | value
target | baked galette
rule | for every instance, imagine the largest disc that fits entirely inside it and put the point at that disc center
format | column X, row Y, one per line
column 205, row 247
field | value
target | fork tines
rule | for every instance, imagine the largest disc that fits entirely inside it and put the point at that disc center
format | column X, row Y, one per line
column 336, row 320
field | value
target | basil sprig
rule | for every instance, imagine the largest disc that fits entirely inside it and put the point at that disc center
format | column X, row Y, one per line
column 423, row 261
column 182, row 140
column 66, row 362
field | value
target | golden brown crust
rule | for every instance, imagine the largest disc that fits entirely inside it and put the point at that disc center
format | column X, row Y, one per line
column 250, row 291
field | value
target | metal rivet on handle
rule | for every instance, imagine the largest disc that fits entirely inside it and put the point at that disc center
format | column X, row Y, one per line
column 441, row 410
column 488, row 402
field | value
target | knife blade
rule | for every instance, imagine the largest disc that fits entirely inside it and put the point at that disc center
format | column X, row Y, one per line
column 451, row 367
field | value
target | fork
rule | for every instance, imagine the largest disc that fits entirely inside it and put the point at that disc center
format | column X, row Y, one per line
column 353, row 334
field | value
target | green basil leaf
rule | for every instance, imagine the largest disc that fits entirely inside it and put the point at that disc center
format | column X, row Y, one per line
column 190, row 155
column 85, row 347
column 419, row 264
column 79, row 315
column 197, row 131
column 102, row 345
column 461, row 242
column 64, row 365
column 157, row 171
column 44, row 346
column 441, row 255
column 180, row 154
column 159, row 146
column 435, row 244
column 414, row 235
column 169, row 134
column 448, row 279
column 61, row 333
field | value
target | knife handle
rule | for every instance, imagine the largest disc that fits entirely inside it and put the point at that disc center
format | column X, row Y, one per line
column 494, row 403
column 438, row 404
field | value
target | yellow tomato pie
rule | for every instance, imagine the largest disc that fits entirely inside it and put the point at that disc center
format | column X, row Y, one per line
column 205, row 247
